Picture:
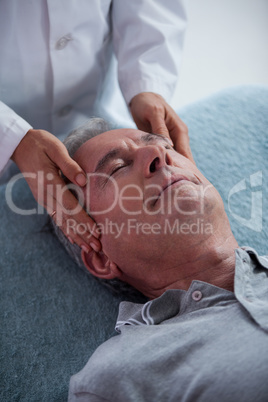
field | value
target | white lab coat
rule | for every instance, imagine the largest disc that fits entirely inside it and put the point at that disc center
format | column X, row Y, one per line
column 55, row 56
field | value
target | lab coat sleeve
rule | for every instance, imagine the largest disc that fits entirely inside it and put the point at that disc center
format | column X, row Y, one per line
column 12, row 129
column 148, row 40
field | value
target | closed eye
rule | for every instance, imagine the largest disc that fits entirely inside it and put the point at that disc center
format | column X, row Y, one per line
column 117, row 167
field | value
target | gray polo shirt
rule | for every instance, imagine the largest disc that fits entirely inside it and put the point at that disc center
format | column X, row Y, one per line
column 204, row 344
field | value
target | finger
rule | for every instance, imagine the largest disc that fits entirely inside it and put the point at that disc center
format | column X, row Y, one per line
column 60, row 199
column 143, row 125
column 76, row 229
column 64, row 210
column 69, row 214
column 182, row 145
column 159, row 125
column 178, row 131
column 74, row 238
column 67, row 165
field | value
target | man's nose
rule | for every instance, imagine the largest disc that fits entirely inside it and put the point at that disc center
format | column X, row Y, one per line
column 153, row 158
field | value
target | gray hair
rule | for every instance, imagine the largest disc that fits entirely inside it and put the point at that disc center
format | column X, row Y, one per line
column 82, row 134
column 73, row 141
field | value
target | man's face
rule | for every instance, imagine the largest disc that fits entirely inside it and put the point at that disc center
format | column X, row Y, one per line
column 145, row 197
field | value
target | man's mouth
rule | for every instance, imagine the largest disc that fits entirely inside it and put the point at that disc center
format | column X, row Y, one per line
column 170, row 182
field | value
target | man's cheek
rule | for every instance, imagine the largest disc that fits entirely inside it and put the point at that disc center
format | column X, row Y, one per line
column 103, row 201
column 101, row 206
column 130, row 200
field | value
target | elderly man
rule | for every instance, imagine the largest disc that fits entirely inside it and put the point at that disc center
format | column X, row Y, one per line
column 203, row 333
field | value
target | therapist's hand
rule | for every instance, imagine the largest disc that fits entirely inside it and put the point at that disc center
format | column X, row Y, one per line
column 152, row 114
column 40, row 156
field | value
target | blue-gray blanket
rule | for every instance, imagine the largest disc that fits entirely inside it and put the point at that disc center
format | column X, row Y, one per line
column 52, row 315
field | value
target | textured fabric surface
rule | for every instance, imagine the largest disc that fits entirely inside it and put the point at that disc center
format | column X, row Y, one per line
column 229, row 140
column 52, row 316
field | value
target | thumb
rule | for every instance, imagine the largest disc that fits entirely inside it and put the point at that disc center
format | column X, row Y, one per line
column 60, row 157
column 158, row 125
column 142, row 125
column 182, row 145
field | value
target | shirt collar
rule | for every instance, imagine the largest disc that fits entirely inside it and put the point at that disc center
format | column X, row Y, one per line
column 175, row 301
column 170, row 304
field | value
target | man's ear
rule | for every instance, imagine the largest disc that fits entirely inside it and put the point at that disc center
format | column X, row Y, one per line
column 99, row 265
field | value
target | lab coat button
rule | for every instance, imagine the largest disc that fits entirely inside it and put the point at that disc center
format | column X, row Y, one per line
column 196, row 295
column 65, row 110
column 62, row 42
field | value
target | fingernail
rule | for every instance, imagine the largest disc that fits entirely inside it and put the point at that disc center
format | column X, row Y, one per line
column 94, row 246
column 70, row 239
column 85, row 248
column 81, row 179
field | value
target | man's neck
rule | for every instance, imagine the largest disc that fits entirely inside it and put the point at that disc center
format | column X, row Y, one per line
column 214, row 265
column 211, row 261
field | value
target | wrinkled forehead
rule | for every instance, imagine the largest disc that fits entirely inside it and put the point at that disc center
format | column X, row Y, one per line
column 92, row 150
